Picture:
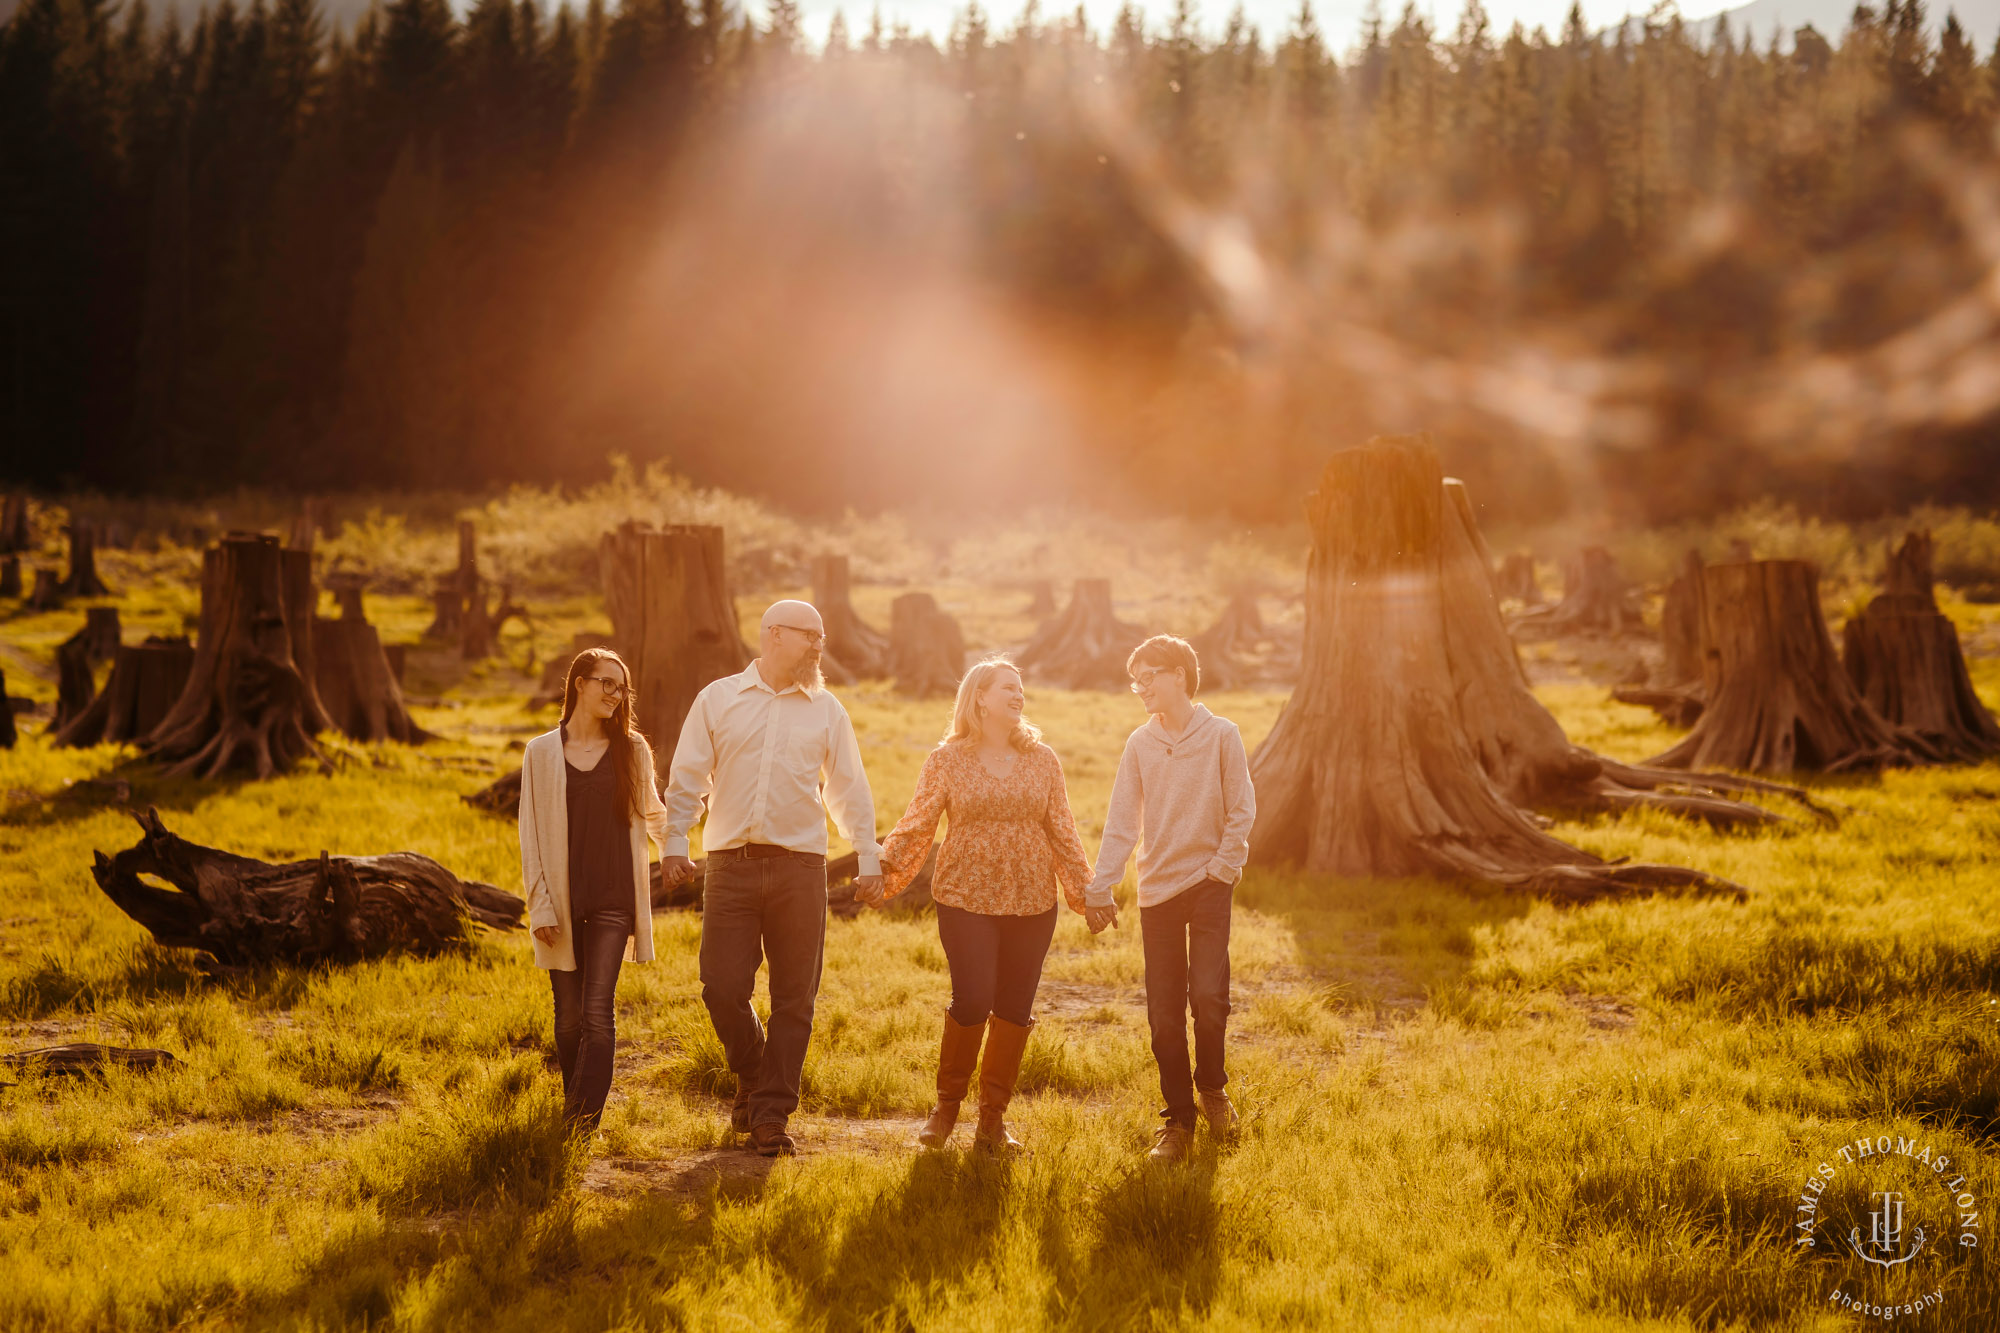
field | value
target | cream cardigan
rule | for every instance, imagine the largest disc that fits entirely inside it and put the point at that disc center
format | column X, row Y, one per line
column 545, row 850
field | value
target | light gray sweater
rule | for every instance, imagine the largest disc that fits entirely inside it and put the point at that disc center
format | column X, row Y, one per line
column 1186, row 802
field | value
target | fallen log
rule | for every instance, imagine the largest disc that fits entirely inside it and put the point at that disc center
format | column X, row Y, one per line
column 245, row 912
column 86, row 1057
column 502, row 797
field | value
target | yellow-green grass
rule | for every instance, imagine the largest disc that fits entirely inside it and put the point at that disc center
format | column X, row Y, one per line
column 1462, row 1109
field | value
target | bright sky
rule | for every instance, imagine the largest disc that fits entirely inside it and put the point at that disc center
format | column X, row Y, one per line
column 1339, row 20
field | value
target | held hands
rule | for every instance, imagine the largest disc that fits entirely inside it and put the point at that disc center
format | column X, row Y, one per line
column 676, row 870
column 1097, row 918
column 868, row 890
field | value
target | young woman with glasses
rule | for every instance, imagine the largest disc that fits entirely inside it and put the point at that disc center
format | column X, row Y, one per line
column 588, row 803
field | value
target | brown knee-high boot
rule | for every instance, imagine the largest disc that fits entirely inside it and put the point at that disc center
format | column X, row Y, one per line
column 958, row 1055
column 998, row 1073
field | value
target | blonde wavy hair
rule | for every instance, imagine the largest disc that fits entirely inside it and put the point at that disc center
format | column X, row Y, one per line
column 964, row 728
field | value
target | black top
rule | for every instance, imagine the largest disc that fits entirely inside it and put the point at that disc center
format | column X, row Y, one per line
column 600, row 842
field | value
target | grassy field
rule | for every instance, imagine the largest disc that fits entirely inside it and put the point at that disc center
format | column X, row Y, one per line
column 1462, row 1110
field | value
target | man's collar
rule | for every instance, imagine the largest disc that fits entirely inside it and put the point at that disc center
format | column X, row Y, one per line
column 753, row 679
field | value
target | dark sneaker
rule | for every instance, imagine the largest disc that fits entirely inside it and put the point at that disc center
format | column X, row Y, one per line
column 1171, row 1143
column 770, row 1140
column 1218, row 1112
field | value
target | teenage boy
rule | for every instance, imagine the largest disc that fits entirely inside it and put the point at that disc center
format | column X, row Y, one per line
column 1183, row 797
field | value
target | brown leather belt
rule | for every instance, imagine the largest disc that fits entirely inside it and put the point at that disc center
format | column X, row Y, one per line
column 760, row 850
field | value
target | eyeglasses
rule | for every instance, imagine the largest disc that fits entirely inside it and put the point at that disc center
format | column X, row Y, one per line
column 1143, row 680
column 613, row 687
column 813, row 636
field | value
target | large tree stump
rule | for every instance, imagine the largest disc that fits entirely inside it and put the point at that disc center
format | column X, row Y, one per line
column 1904, row 657
column 146, row 679
column 357, row 687
column 858, row 647
column 14, row 531
column 1371, row 769
column 250, row 700
column 928, row 652
column 82, row 580
column 306, row 525
column 330, row 909
column 1226, row 647
column 347, row 588
column 1779, row 700
column 448, row 608
column 1596, row 600
column 1084, row 648
column 479, row 624
column 672, row 619
column 76, row 684
column 1042, row 598
column 10, row 576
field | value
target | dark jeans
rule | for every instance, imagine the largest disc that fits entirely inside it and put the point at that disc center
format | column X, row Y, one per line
column 1187, row 963
column 586, row 1021
column 755, row 909
column 996, row 962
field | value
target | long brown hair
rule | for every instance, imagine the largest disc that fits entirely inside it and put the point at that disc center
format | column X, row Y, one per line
column 625, row 739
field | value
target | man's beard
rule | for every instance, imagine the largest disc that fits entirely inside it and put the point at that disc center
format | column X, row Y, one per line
column 808, row 677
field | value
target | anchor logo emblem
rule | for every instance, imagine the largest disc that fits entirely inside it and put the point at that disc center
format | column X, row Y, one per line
column 1885, row 1233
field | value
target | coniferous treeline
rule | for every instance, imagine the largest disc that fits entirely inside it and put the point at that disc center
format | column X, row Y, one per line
column 256, row 251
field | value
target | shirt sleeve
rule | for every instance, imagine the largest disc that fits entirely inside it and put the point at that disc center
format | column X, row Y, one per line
column 847, row 796
column 534, row 883
column 654, row 811
column 1121, row 830
column 909, row 843
column 691, row 777
column 1072, row 863
column 1239, row 812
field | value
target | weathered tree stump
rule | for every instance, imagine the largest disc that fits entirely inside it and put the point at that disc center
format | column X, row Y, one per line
column 1904, row 658
column 102, row 632
column 306, row 525
column 398, row 655
column 928, row 650
column 146, row 680
column 479, row 624
column 1679, row 696
column 8, row 733
column 1042, row 598
column 346, row 588
column 76, row 684
column 852, row 642
column 501, row 797
column 330, row 909
column 1085, row 648
column 448, row 608
column 1779, row 700
column 672, row 619
column 10, row 576
column 1596, row 600
column 250, row 700
column 1225, row 647
column 86, row 1057
column 48, row 593
column 1515, row 580
column 356, row 686
column 1371, row 769
column 14, row 532
column 82, row 580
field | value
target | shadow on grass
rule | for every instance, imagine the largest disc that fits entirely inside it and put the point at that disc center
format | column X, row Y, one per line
column 1158, row 1259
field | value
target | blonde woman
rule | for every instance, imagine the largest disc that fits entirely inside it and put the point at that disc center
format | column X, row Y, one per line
column 1012, row 837
column 588, row 803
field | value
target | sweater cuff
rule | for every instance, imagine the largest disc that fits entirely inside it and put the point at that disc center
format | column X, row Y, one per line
column 1221, row 870
column 1099, row 894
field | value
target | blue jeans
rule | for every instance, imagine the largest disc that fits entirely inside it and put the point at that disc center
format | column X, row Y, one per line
column 996, row 962
column 1187, row 965
column 586, row 1013
column 758, row 909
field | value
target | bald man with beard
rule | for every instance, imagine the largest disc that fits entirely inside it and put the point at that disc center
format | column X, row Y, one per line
column 771, row 753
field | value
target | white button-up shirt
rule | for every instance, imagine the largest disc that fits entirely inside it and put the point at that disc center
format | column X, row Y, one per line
column 764, row 761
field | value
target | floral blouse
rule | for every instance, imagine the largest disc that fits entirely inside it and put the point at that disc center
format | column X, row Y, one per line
column 1010, row 838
